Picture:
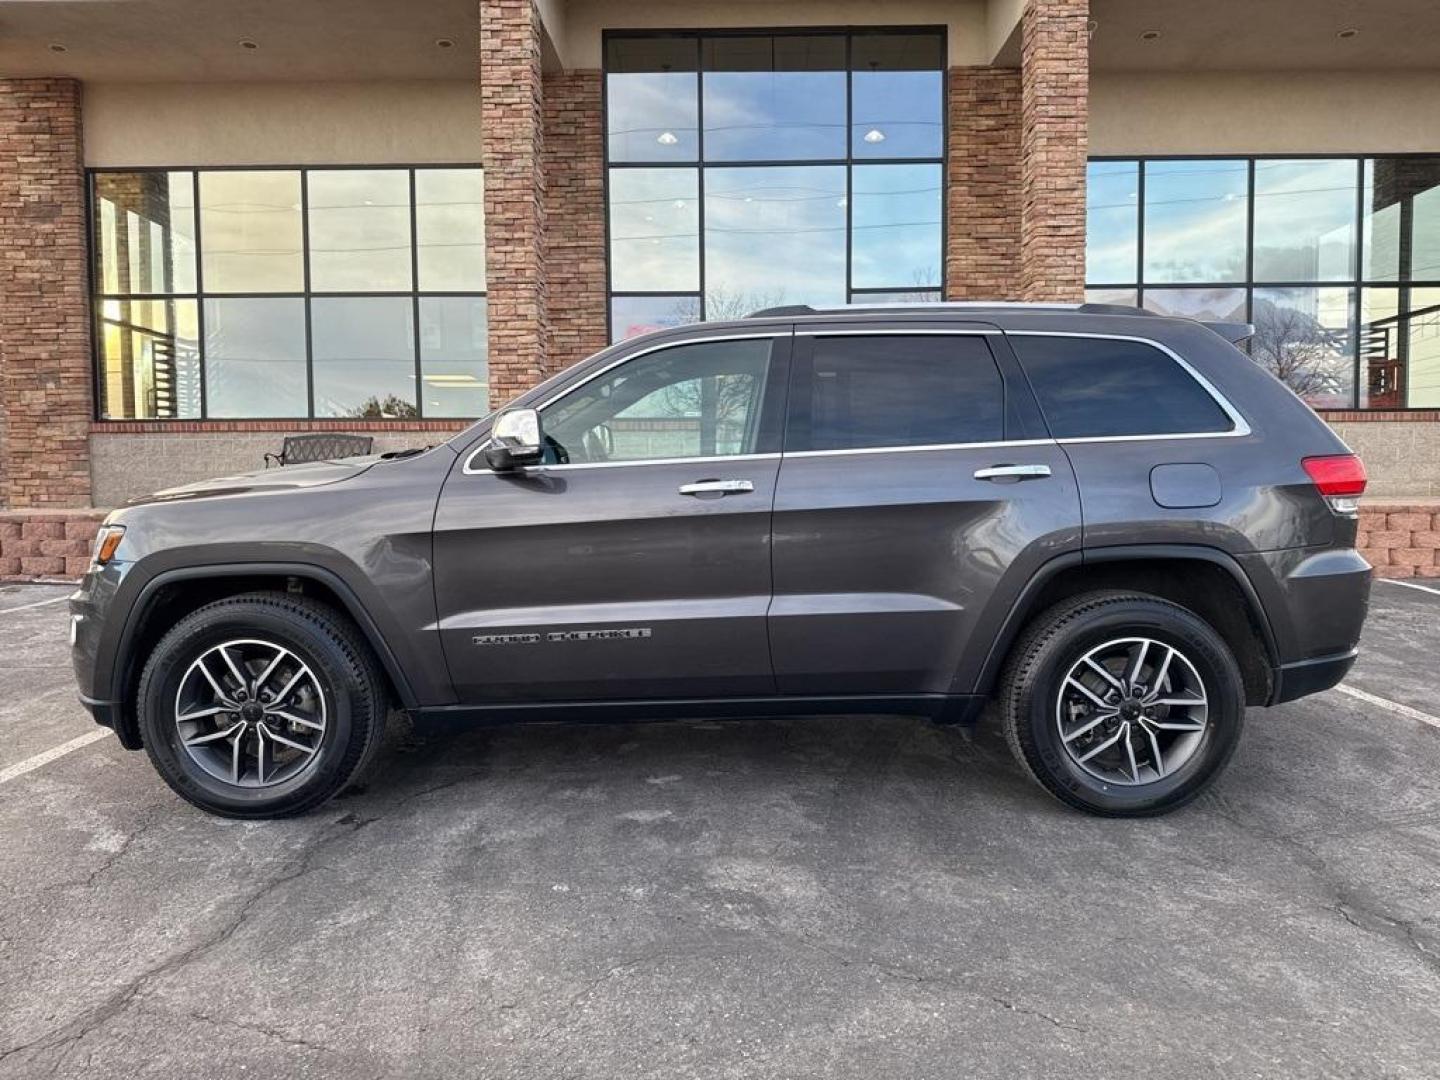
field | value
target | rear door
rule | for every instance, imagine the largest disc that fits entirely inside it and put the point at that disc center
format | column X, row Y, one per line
column 918, row 492
column 635, row 562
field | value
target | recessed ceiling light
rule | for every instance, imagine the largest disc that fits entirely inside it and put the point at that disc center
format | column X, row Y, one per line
column 874, row 135
column 444, row 43
column 55, row 46
column 246, row 43
column 1150, row 35
column 667, row 138
column 1348, row 32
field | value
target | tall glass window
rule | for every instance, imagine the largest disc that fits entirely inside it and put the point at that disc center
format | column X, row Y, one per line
column 289, row 293
column 1335, row 260
column 749, row 170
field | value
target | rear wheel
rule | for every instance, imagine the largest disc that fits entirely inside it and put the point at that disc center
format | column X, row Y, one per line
column 261, row 705
column 1122, row 704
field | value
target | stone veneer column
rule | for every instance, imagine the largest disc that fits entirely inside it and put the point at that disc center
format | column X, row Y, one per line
column 512, row 153
column 575, row 215
column 45, row 369
column 983, row 181
column 1054, row 84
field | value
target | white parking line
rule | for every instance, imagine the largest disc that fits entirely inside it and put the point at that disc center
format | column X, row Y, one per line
column 1392, row 706
column 30, row 764
column 1410, row 585
column 38, row 603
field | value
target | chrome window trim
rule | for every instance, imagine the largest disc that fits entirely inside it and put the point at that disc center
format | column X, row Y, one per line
column 1241, row 426
column 468, row 470
column 999, row 443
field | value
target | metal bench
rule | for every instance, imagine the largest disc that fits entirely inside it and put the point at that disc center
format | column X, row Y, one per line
column 325, row 446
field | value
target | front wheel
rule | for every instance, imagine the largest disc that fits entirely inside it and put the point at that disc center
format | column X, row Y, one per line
column 261, row 705
column 1122, row 704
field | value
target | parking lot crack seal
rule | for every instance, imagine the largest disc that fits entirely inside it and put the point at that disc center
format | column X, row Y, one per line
column 70, row 1034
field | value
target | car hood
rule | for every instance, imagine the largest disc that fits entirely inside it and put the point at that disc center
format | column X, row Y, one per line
column 286, row 478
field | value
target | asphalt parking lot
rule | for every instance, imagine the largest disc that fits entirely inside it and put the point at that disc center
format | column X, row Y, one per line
column 868, row 897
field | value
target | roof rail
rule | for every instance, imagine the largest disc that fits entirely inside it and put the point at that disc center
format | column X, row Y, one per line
column 790, row 310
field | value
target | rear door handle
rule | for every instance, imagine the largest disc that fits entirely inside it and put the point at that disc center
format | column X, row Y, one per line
column 717, row 487
column 1013, row 472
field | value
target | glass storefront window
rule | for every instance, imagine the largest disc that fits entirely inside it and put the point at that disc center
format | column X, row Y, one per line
column 631, row 316
column 250, row 221
column 454, row 348
column 818, row 173
column 1112, row 220
column 895, row 226
column 450, row 229
column 654, row 229
column 364, row 353
column 1334, row 260
column 271, row 305
column 652, row 98
column 1195, row 213
column 775, row 235
column 255, row 357
column 359, row 230
column 774, row 97
column 897, row 98
column 1305, row 220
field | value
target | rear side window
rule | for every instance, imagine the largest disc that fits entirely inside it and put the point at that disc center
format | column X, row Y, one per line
column 1096, row 387
column 898, row 390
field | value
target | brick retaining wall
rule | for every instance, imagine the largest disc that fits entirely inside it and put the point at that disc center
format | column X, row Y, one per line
column 1400, row 539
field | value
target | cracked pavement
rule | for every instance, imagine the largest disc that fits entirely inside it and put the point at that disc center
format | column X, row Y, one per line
column 853, row 897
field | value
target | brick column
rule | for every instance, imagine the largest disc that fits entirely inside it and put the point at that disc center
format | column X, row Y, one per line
column 983, row 179
column 575, row 215
column 1054, row 84
column 45, row 370
column 512, row 152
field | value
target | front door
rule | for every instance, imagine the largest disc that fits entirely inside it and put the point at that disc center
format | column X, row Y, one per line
column 635, row 561
column 918, row 492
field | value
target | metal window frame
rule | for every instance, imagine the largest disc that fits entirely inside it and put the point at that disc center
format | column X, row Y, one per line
column 415, row 294
column 1356, row 283
column 700, row 164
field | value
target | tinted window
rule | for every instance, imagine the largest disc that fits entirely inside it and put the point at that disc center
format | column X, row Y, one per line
column 902, row 390
column 700, row 400
column 1095, row 387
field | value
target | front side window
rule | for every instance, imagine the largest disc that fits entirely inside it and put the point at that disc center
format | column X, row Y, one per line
column 1103, row 387
column 898, row 390
column 752, row 170
column 290, row 293
column 697, row 400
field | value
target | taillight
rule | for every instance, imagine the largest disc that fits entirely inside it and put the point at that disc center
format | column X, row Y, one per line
column 1340, row 478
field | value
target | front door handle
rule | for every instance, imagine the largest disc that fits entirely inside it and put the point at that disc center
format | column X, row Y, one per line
column 1013, row 472
column 717, row 487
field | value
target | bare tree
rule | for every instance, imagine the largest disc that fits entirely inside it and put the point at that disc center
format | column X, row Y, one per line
column 1313, row 360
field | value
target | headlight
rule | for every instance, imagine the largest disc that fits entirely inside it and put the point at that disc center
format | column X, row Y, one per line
column 105, row 544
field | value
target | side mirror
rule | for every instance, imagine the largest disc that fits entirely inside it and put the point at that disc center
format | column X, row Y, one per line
column 515, row 440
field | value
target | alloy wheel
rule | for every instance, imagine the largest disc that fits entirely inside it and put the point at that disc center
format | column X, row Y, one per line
column 1132, row 711
column 251, row 713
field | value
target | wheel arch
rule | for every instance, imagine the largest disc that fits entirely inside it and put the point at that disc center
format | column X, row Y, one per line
column 172, row 594
column 1206, row 580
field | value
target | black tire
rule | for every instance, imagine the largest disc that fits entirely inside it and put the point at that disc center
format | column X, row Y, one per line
column 1058, row 638
column 353, row 689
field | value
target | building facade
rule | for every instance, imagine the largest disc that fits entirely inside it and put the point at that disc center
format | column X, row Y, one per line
column 226, row 222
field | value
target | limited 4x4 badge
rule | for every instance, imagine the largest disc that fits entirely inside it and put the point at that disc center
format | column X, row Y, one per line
column 628, row 634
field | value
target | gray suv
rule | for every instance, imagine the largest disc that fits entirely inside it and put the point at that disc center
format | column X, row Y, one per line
column 1112, row 525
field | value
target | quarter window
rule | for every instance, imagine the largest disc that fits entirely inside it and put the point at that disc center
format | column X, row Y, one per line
column 697, row 400
column 1098, row 387
column 899, row 390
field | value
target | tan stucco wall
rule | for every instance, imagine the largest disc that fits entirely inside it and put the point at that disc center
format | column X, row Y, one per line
column 585, row 19
column 1281, row 112
column 282, row 123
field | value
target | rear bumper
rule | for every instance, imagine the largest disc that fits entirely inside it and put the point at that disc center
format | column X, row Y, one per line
column 1305, row 677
